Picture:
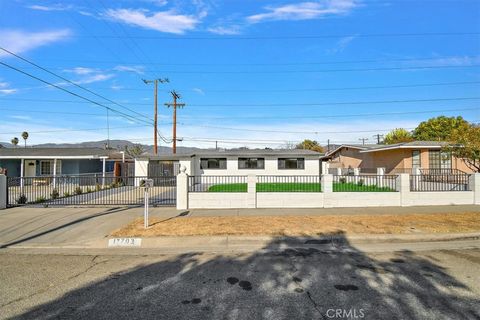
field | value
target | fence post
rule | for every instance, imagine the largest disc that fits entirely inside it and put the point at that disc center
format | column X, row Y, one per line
column 252, row 191
column 3, row 191
column 403, row 186
column 339, row 171
column 327, row 183
column 380, row 177
column 356, row 174
column 475, row 187
column 182, row 189
column 325, row 167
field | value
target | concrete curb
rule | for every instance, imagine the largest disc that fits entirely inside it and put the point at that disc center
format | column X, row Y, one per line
column 255, row 243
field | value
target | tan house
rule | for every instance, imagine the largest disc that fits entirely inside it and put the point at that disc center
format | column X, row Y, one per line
column 395, row 158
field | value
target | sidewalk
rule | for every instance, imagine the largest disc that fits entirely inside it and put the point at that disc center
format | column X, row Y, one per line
column 90, row 227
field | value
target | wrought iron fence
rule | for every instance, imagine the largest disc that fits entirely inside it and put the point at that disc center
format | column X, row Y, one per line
column 441, row 171
column 440, row 182
column 288, row 184
column 84, row 190
column 365, row 183
column 217, row 184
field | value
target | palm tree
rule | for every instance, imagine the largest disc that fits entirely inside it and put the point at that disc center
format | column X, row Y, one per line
column 25, row 137
column 14, row 141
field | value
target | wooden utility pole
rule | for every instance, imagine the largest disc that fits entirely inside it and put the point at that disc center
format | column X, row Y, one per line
column 363, row 140
column 378, row 136
column 155, row 112
column 175, row 105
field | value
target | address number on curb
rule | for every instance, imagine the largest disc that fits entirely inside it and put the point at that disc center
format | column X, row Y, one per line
column 125, row 242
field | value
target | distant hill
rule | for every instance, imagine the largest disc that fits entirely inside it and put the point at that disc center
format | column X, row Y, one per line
column 118, row 144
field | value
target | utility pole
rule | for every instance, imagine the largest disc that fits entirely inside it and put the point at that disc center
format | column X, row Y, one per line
column 155, row 116
column 328, row 145
column 378, row 136
column 363, row 140
column 175, row 96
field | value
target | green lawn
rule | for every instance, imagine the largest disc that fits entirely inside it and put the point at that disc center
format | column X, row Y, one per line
column 296, row 187
column 352, row 187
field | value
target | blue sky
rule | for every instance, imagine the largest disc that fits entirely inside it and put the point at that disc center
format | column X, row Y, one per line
column 252, row 73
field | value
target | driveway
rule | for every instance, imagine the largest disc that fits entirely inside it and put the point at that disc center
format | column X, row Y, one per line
column 65, row 226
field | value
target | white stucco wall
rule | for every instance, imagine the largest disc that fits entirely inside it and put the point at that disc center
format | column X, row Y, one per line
column 361, row 199
column 217, row 200
column 438, row 198
column 290, row 200
column 312, row 167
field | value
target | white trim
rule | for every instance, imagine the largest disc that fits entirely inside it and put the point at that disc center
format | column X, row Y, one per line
column 344, row 146
column 402, row 147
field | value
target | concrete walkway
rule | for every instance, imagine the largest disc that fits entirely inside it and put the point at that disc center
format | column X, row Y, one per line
column 87, row 226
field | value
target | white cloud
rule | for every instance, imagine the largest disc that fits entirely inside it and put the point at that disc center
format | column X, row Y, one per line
column 19, row 41
column 304, row 10
column 446, row 61
column 134, row 69
column 95, row 78
column 341, row 44
column 199, row 91
column 56, row 7
column 81, row 70
column 21, row 117
column 225, row 30
column 116, row 87
column 163, row 21
column 8, row 91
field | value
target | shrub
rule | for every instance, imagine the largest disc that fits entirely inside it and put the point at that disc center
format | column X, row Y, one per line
column 88, row 190
column 40, row 199
column 22, row 199
column 55, row 194
column 78, row 190
column 98, row 187
column 361, row 182
column 343, row 180
column 66, row 194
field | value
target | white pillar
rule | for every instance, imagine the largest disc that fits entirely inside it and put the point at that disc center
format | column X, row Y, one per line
column 325, row 167
column 339, row 171
column 403, row 186
column 252, row 191
column 356, row 174
column 54, row 173
column 22, row 173
column 182, row 189
column 327, row 183
column 3, row 191
column 141, row 170
column 475, row 187
column 103, row 171
column 380, row 177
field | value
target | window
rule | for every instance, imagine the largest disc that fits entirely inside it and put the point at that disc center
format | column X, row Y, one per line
column 416, row 159
column 291, row 163
column 46, row 167
column 251, row 163
column 213, row 163
column 439, row 159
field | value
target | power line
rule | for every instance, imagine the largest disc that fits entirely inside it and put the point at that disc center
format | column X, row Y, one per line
column 272, row 63
column 265, row 105
column 71, row 82
column 77, row 130
column 70, row 92
column 293, row 37
column 319, row 71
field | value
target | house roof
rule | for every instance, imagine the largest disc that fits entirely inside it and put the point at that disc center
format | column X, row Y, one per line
column 55, row 153
column 236, row 152
column 408, row 145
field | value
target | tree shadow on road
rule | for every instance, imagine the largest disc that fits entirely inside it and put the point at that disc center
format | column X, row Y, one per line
column 285, row 280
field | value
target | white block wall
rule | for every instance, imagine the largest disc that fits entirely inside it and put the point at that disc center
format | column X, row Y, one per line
column 290, row 200
column 217, row 200
column 361, row 199
column 438, row 198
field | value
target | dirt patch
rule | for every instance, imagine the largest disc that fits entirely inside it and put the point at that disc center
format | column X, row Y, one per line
column 305, row 225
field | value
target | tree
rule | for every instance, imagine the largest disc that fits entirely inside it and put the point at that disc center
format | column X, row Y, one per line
column 310, row 145
column 135, row 150
column 14, row 141
column 398, row 135
column 439, row 128
column 465, row 144
column 25, row 137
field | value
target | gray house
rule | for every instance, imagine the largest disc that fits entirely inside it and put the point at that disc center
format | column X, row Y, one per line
column 37, row 162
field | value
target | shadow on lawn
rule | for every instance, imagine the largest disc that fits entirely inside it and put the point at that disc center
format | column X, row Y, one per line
column 295, row 283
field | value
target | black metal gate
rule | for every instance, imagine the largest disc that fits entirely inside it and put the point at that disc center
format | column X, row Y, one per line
column 89, row 190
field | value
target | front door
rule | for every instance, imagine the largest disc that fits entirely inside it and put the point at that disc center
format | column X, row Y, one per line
column 30, row 168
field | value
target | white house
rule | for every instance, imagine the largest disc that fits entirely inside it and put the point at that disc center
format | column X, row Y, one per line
column 240, row 162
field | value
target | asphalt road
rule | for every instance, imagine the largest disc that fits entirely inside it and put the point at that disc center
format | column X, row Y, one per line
column 282, row 284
